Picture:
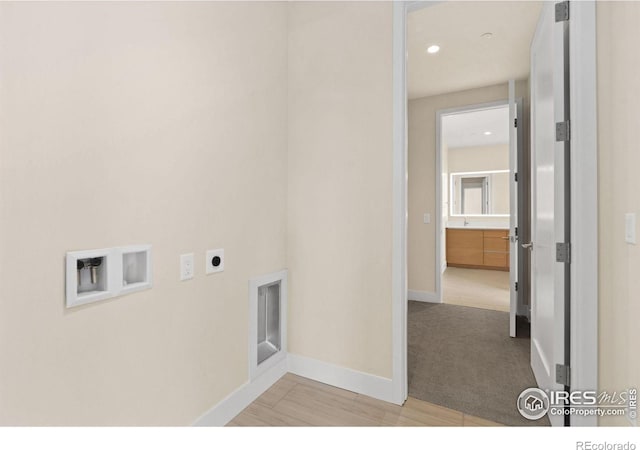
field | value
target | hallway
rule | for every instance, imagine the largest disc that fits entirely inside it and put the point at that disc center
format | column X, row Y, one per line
column 463, row 358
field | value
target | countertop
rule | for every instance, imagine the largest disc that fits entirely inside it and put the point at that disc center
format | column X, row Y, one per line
column 478, row 226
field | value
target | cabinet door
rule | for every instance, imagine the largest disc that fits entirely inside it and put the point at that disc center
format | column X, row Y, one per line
column 496, row 259
column 496, row 248
column 465, row 247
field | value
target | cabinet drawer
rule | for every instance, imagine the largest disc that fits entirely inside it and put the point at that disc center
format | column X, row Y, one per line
column 496, row 233
column 496, row 244
column 464, row 238
column 496, row 259
column 466, row 257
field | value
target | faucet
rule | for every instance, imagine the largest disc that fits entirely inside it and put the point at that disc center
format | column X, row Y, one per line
column 466, row 222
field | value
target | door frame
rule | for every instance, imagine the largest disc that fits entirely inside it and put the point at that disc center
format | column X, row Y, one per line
column 584, row 201
column 439, row 226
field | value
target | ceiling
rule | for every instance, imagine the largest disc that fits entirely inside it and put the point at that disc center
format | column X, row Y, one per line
column 468, row 129
column 467, row 60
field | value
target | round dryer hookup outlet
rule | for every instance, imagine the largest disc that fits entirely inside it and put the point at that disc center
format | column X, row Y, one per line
column 214, row 261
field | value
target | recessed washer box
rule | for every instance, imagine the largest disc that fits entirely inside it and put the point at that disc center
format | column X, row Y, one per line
column 89, row 276
column 94, row 275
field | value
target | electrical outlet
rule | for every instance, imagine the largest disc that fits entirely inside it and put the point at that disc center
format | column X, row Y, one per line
column 630, row 228
column 186, row 266
column 427, row 218
column 214, row 261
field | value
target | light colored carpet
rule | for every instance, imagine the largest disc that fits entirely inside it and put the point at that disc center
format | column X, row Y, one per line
column 463, row 358
column 477, row 288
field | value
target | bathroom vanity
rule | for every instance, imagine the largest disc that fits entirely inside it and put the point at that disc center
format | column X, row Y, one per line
column 478, row 248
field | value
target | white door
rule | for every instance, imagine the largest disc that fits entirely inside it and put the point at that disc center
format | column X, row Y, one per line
column 513, row 208
column 549, row 223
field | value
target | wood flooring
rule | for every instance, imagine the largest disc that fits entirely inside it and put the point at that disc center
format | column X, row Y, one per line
column 298, row 401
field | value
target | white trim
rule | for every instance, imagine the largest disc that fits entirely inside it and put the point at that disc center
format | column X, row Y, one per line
column 399, row 219
column 232, row 405
column 514, row 156
column 584, row 203
column 342, row 377
column 423, row 296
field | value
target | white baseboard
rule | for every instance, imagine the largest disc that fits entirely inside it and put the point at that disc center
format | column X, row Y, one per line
column 242, row 397
column 423, row 296
column 342, row 377
column 443, row 267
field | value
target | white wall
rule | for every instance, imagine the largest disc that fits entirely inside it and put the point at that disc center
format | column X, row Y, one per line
column 482, row 159
column 340, row 168
column 619, row 263
column 124, row 123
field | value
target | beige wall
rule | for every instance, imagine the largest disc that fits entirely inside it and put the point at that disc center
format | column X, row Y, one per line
column 482, row 159
column 127, row 123
column 340, row 167
column 121, row 137
column 619, row 263
column 422, row 148
column 478, row 159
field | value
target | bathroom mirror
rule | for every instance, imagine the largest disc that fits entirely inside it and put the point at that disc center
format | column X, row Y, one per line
column 479, row 193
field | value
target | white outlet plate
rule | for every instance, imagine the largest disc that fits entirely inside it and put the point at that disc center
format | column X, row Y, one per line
column 210, row 268
column 630, row 228
column 186, row 266
column 427, row 218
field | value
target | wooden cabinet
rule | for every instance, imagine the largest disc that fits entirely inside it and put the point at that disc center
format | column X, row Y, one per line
column 479, row 249
column 465, row 247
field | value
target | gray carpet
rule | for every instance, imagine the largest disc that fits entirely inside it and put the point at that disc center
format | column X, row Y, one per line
column 463, row 358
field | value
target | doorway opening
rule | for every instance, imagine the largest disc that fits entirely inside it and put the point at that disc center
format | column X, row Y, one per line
column 463, row 130
column 579, row 39
column 475, row 206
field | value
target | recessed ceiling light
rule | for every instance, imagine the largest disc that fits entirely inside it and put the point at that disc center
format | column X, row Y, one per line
column 488, row 133
column 433, row 49
column 486, row 35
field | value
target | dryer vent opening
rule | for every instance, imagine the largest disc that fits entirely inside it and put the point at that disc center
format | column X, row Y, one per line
column 267, row 322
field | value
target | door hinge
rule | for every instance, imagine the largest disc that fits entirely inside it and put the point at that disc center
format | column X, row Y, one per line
column 515, row 122
column 563, row 131
column 562, row 11
column 515, row 177
column 516, row 231
column 563, row 252
column 516, row 286
column 563, row 374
